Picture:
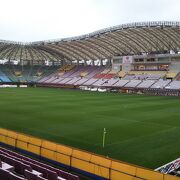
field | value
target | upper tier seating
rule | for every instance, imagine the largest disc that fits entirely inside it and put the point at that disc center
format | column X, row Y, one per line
column 15, row 166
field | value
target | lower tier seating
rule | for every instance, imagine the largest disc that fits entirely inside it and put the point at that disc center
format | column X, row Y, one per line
column 14, row 166
column 174, row 85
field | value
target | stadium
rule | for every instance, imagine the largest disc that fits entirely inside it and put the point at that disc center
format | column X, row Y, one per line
column 104, row 105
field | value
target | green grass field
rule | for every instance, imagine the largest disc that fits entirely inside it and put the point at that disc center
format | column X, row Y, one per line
column 143, row 130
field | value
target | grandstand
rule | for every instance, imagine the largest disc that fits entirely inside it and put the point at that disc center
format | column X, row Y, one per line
column 100, row 59
column 141, row 58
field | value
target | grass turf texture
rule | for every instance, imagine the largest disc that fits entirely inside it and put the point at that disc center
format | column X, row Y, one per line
column 143, row 130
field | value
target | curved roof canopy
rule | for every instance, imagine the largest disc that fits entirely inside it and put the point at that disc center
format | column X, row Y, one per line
column 126, row 39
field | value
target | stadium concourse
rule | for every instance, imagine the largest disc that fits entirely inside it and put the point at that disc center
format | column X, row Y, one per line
column 141, row 58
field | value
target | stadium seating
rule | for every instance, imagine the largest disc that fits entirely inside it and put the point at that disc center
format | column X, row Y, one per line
column 110, row 82
column 57, row 80
column 99, row 76
column 120, row 83
column 178, row 77
column 146, row 84
column 65, row 68
column 3, row 77
column 87, row 75
column 121, row 74
column 81, row 81
column 160, row 84
column 90, row 82
column 105, row 76
column 174, row 85
column 65, row 80
column 73, row 81
column 16, row 167
column 143, row 75
column 99, row 82
column 171, row 74
column 133, row 83
column 17, row 73
column 73, row 75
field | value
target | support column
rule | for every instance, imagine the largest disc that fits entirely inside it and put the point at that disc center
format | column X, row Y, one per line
column 93, row 63
column 110, row 62
column 21, row 62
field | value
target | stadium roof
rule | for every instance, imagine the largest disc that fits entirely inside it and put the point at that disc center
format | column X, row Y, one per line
column 126, row 39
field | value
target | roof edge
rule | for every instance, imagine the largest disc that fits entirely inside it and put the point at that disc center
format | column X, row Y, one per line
column 101, row 31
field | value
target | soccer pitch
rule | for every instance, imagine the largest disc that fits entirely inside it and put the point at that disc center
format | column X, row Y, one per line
column 143, row 130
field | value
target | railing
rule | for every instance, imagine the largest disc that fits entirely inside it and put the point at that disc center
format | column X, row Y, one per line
column 82, row 161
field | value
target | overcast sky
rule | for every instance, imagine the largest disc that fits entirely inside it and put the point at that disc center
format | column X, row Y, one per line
column 33, row 20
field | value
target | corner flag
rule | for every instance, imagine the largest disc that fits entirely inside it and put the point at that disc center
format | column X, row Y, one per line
column 104, row 137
